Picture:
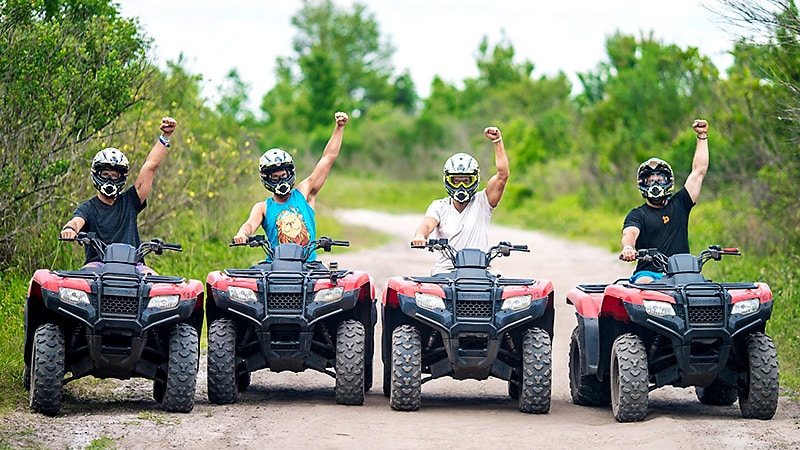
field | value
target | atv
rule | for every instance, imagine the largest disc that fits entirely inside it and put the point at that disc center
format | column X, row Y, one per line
column 682, row 330
column 113, row 321
column 468, row 324
column 290, row 314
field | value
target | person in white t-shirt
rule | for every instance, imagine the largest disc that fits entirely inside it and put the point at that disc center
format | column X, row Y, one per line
column 463, row 217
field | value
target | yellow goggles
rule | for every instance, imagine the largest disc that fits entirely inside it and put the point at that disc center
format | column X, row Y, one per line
column 461, row 180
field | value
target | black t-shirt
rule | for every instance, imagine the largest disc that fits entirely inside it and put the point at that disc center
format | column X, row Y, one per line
column 666, row 229
column 112, row 223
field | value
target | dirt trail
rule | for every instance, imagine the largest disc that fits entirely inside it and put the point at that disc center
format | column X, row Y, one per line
column 287, row 410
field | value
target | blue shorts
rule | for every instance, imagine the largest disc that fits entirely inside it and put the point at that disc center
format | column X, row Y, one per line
column 646, row 273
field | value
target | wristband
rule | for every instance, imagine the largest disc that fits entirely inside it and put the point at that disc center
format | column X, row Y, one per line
column 164, row 141
column 627, row 247
column 703, row 137
column 69, row 227
column 495, row 141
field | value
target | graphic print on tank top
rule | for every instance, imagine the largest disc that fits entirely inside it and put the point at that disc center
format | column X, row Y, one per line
column 291, row 227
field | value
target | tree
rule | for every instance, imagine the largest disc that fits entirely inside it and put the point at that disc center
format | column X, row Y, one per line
column 68, row 69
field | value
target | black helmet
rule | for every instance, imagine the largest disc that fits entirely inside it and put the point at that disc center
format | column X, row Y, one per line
column 274, row 160
column 655, row 191
column 109, row 159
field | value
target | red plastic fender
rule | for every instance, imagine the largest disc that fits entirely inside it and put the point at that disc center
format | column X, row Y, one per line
column 400, row 285
column 586, row 304
column 50, row 281
column 539, row 289
column 219, row 280
column 763, row 293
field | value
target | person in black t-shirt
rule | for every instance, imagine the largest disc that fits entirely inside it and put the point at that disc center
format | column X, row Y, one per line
column 662, row 222
column 113, row 213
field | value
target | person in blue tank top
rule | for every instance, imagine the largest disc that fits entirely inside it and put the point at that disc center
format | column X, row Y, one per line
column 288, row 215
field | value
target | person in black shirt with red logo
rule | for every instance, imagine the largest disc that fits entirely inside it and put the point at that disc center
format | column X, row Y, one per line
column 662, row 222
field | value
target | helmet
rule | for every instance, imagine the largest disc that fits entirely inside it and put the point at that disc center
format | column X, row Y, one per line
column 272, row 161
column 461, row 176
column 109, row 159
column 657, row 191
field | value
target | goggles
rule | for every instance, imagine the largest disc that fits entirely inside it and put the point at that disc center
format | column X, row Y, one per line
column 460, row 180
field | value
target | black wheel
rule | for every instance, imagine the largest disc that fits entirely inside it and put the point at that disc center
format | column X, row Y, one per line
column 534, row 396
column 350, row 363
column 47, row 369
column 629, row 379
column 717, row 394
column 405, row 393
column 586, row 390
column 221, row 362
column 184, row 360
column 26, row 377
column 758, row 398
column 243, row 381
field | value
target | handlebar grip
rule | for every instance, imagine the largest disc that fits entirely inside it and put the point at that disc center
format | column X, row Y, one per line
column 176, row 247
column 341, row 243
column 419, row 246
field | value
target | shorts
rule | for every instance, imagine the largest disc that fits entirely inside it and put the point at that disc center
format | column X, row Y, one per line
column 646, row 273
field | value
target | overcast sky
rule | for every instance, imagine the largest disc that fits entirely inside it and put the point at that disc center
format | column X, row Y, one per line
column 431, row 37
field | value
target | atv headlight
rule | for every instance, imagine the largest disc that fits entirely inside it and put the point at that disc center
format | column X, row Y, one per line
column 73, row 296
column 240, row 294
column 745, row 307
column 517, row 303
column 657, row 308
column 164, row 301
column 428, row 301
column 329, row 295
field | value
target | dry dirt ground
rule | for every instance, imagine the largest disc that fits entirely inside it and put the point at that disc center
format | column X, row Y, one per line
column 288, row 410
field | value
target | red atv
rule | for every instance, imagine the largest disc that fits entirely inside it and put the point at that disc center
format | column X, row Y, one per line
column 468, row 324
column 113, row 322
column 289, row 313
column 682, row 330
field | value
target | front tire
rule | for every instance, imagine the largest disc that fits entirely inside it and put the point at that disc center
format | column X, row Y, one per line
column 629, row 379
column 350, row 364
column 534, row 397
column 47, row 369
column 758, row 398
column 586, row 390
column 405, row 392
column 184, row 359
column 221, row 370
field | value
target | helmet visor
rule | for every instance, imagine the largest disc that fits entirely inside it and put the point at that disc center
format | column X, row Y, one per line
column 461, row 180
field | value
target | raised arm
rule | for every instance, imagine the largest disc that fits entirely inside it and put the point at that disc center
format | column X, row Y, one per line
column 700, row 162
column 497, row 184
column 311, row 186
column 144, row 182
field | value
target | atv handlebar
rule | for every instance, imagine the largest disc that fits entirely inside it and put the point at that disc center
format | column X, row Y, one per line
column 714, row 252
column 504, row 248
column 155, row 245
column 325, row 243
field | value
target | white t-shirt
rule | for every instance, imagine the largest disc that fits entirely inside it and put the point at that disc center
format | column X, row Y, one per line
column 466, row 229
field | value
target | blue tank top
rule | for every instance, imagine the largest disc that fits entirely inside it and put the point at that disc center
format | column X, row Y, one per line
column 290, row 222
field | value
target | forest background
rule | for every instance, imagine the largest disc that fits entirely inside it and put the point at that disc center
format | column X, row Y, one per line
column 76, row 76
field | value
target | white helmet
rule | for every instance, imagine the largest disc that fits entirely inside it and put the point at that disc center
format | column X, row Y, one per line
column 461, row 176
column 109, row 159
column 274, row 160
